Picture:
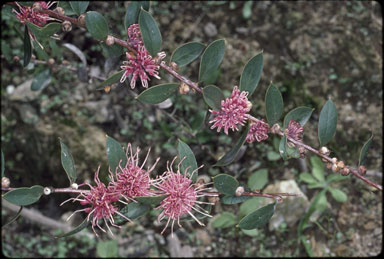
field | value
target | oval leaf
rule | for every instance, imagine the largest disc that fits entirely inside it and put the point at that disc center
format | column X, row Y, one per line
column 187, row 53
column 77, row 229
column 68, row 163
column 79, row 7
column 158, row 93
column 150, row 200
column 233, row 199
column 27, row 47
column 41, row 81
column 44, row 32
column 150, row 33
column 338, row 195
column 327, row 123
column 251, row 74
column 273, row 104
column 306, row 177
column 231, row 155
column 133, row 11
column 317, row 168
column 211, row 60
column 213, row 96
column 300, row 114
column 115, row 154
column 189, row 162
column 132, row 211
column 225, row 184
column 258, row 218
column 224, row 220
column 364, row 151
column 258, row 179
column 249, row 206
column 283, row 148
column 96, row 25
column 112, row 51
column 24, row 196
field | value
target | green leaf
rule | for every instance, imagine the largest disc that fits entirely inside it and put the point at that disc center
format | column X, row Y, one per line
column 251, row 74
column 322, row 203
column 213, row 96
column 327, row 123
column 251, row 232
column 150, row 33
column 273, row 156
column 283, row 147
column 247, row 9
column 225, row 184
column 132, row 211
column 96, row 25
column 44, row 32
column 2, row 164
column 258, row 179
column 112, row 79
column 249, row 206
column 14, row 217
column 68, row 163
column 41, row 81
column 79, row 7
column 24, row 196
column 211, row 60
column 231, row 155
column 158, row 93
column 67, row 7
column 336, row 177
column 224, row 220
column 133, row 11
column 230, row 199
column 258, row 218
column 115, row 154
column 77, row 229
column 338, row 195
column 292, row 152
column 107, row 249
column 112, row 51
column 189, row 161
column 300, row 114
column 317, row 168
column 306, row 177
column 273, row 104
column 187, row 53
column 150, row 200
column 364, row 151
column 27, row 47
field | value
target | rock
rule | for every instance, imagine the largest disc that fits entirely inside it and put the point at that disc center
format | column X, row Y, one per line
column 24, row 93
column 210, row 29
column 176, row 249
column 370, row 225
column 291, row 209
column 203, row 236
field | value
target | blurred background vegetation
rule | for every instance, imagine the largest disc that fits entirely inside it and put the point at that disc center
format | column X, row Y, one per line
column 312, row 51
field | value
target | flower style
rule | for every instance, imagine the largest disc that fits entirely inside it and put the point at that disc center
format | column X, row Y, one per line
column 133, row 180
column 258, row 131
column 182, row 196
column 101, row 199
column 233, row 111
column 295, row 130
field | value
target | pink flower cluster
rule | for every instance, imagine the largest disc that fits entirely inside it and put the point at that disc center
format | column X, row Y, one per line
column 258, row 131
column 295, row 130
column 233, row 111
column 140, row 64
column 132, row 180
column 27, row 13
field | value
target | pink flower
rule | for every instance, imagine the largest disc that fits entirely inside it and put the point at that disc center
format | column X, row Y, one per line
column 233, row 111
column 134, row 36
column 295, row 130
column 181, row 198
column 101, row 200
column 133, row 180
column 26, row 13
column 258, row 131
column 139, row 66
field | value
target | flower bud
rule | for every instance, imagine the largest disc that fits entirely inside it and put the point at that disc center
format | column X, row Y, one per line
column 110, row 40
column 174, row 66
column 329, row 165
column 275, row 128
column 47, row 191
column 362, row 170
column 345, row 171
column 239, row 191
column 81, row 20
column 335, row 168
column 325, row 151
column 334, row 160
column 5, row 182
column 36, row 7
column 60, row 10
column 249, row 105
column 74, row 186
column 51, row 61
column 340, row 164
column 107, row 88
column 16, row 58
column 66, row 26
column 184, row 88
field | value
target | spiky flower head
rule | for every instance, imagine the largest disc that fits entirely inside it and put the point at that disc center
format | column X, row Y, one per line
column 134, row 36
column 26, row 13
column 258, row 131
column 232, row 112
column 133, row 180
column 295, row 130
column 182, row 196
column 101, row 200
